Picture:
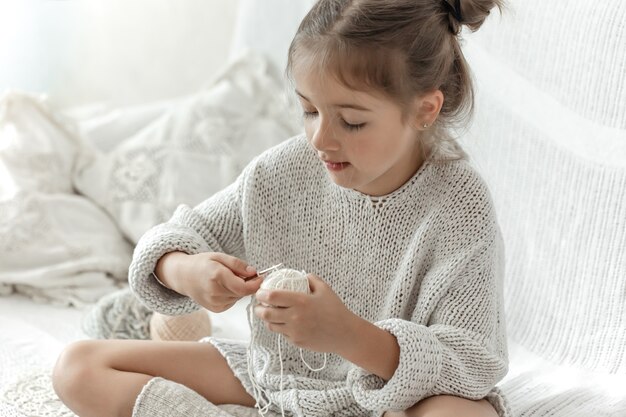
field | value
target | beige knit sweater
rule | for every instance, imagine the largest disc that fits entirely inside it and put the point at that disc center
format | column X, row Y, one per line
column 424, row 263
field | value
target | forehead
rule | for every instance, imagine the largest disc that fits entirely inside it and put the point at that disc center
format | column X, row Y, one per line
column 324, row 88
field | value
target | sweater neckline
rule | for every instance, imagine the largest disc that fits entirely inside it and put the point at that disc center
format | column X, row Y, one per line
column 354, row 195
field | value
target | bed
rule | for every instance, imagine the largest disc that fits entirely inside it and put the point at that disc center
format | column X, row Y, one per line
column 549, row 137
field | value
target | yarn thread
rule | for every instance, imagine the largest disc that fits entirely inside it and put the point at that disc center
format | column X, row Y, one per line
column 281, row 279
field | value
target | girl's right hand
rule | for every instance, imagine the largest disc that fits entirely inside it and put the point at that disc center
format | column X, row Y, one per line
column 213, row 280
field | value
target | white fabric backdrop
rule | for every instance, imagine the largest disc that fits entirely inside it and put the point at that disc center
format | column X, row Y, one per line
column 115, row 52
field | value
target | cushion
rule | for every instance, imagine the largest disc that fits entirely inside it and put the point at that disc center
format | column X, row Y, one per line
column 105, row 127
column 191, row 151
column 54, row 244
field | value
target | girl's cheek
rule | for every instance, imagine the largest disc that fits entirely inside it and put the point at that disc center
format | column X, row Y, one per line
column 360, row 146
column 307, row 130
column 309, row 127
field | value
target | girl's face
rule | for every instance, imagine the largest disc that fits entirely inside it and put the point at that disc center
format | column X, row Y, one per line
column 359, row 137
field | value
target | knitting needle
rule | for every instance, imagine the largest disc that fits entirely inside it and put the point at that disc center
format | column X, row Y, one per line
column 265, row 271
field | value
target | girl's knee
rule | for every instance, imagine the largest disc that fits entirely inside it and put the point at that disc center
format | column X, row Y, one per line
column 447, row 406
column 74, row 368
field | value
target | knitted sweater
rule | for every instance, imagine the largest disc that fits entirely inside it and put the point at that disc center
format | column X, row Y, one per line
column 424, row 263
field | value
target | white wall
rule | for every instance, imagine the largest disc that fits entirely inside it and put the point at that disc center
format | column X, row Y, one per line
column 117, row 52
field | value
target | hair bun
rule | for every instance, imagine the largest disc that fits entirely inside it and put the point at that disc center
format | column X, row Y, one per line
column 471, row 13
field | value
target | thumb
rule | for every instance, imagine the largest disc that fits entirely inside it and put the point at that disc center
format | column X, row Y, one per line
column 237, row 266
column 315, row 283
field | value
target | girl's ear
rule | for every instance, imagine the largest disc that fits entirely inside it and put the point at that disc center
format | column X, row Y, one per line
column 429, row 106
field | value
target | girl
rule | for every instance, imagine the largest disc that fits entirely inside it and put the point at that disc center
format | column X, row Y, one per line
column 376, row 201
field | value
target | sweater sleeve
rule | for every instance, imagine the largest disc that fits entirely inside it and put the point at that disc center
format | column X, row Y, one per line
column 462, row 349
column 215, row 225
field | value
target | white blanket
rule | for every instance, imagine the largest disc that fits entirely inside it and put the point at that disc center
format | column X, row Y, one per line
column 74, row 197
column 54, row 243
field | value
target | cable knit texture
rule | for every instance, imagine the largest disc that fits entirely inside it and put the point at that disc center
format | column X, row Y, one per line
column 424, row 263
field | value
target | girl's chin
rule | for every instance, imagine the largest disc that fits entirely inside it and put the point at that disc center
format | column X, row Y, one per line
column 342, row 180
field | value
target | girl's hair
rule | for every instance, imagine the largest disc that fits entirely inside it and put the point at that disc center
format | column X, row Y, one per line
column 401, row 48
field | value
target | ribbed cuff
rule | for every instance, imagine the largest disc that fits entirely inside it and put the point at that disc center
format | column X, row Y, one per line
column 497, row 399
column 163, row 398
column 418, row 368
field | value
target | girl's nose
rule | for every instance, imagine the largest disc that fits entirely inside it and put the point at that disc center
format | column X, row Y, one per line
column 323, row 137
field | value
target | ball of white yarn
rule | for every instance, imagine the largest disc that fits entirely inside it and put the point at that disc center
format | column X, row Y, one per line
column 281, row 279
column 287, row 279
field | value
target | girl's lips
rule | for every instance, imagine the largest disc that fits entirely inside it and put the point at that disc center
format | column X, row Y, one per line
column 336, row 166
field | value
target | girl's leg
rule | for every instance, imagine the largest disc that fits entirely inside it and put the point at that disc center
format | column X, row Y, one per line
column 104, row 377
column 447, row 406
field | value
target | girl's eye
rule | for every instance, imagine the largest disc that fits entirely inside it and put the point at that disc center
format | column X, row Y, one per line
column 350, row 126
column 346, row 125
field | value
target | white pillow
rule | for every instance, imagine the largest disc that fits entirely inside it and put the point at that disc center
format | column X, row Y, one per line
column 54, row 244
column 106, row 127
column 192, row 151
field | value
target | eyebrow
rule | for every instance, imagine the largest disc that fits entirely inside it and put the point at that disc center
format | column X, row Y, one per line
column 341, row 106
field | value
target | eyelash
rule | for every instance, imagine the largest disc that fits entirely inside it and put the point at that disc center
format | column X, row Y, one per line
column 312, row 114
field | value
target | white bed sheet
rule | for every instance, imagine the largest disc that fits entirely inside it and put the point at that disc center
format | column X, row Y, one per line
column 31, row 337
column 33, row 334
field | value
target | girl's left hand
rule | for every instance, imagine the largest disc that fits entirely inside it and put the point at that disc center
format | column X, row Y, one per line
column 318, row 321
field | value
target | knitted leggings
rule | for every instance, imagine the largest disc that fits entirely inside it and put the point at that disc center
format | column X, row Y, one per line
column 163, row 398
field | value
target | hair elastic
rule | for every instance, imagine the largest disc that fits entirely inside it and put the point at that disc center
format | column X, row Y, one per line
column 455, row 10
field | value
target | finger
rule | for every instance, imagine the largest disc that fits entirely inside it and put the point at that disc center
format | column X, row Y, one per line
column 240, row 287
column 278, row 298
column 315, row 283
column 236, row 265
column 223, row 292
column 273, row 315
column 277, row 328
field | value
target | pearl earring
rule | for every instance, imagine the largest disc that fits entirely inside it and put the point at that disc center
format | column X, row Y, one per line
column 425, row 125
